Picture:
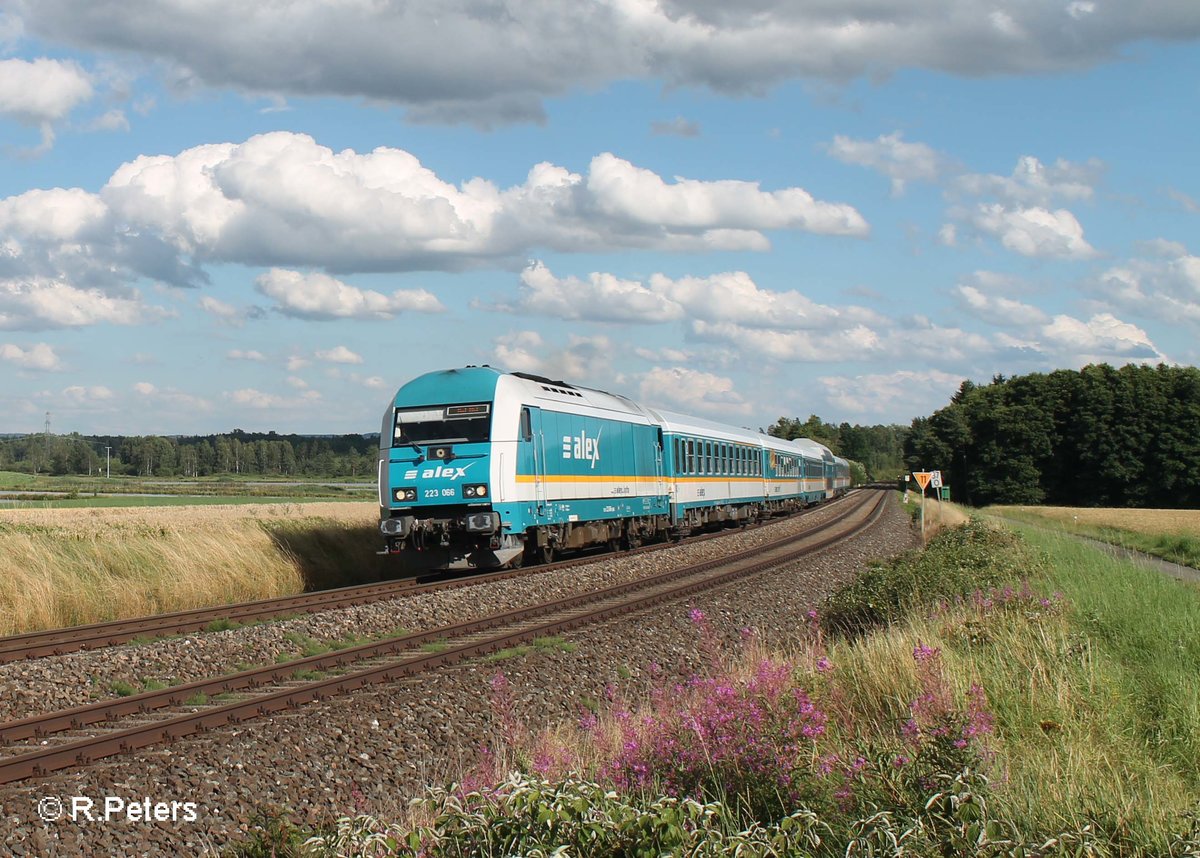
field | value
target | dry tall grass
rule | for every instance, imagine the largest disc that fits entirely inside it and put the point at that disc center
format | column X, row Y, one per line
column 69, row 567
column 1150, row 521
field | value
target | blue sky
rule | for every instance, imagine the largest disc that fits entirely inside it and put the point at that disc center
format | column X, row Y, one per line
column 219, row 215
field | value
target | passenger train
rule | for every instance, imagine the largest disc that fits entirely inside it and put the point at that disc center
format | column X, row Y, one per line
column 481, row 468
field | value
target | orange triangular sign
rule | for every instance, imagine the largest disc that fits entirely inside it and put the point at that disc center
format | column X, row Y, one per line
column 922, row 478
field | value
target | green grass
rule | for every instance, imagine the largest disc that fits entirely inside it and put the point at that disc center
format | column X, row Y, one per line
column 122, row 689
column 539, row 645
column 1181, row 548
column 1096, row 697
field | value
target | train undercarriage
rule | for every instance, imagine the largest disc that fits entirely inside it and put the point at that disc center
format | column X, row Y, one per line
column 472, row 538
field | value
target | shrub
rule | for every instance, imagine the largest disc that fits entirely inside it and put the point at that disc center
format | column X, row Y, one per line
column 956, row 563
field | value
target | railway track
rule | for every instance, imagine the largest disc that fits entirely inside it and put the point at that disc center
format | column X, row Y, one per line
column 94, row 636
column 41, row 744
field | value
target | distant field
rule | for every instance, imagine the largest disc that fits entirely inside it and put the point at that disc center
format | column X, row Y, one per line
column 71, row 566
column 1172, row 534
column 1153, row 521
column 232, row 489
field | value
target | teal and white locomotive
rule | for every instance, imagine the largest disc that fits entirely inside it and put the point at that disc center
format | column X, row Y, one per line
column 481, row 468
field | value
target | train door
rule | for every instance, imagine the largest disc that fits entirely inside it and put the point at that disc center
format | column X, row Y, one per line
column 660, row 485
column 532, row 437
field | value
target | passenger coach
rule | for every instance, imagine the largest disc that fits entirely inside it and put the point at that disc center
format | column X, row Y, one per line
column 483, row 468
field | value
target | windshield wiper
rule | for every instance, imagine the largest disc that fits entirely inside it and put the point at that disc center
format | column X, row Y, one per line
column 409, row 443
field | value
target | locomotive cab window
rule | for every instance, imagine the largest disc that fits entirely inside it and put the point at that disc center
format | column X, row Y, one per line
column 526, row 424
column 447, row 424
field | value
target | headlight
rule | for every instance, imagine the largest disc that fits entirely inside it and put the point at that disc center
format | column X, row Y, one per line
column 405, row 494
column 476, row 490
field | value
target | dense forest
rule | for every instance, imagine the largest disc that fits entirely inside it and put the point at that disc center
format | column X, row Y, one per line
column 1097, row 437
column 259, row 454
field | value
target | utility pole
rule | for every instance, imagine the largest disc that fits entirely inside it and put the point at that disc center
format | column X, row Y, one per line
column 108, row 463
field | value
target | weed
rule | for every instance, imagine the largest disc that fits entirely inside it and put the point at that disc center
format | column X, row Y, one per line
column 223, row 624
column 121, row 688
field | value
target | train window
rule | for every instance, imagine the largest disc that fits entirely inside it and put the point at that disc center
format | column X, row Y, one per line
column 708, row 457
column 450, row 424
column 526, row 425
column 691, row 456
column 678, row 455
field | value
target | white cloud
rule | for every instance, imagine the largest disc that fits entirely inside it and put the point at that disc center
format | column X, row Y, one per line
column 224, row 312
column 602, row 297
column 494, row 63
column 55, row 215
column 1034, row 231
column 858, row 342
column 583, row 360
column 980, row 299
column 338, row 354
column 42, row 91
column 691, row 391
column 40, row 356
column 1033, row 183
column 726, row 297
column 258, row 400
column 171, row 399
column 319, row 297
column 111, row 120
column 296, row 362
column 1164, row 286
column 245, row 354
column 36, row 304
column 282, row 199
column 84, row 395
column 903, row 391
column 889, row 154
column 1103, row 337
column 637, row 195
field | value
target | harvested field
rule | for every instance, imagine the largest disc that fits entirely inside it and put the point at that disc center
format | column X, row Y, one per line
column 1149, row 521
column 69, row 567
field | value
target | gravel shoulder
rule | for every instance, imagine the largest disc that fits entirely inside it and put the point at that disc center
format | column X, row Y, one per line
column 375, row 749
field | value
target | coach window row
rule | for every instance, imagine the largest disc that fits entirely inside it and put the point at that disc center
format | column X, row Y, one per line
column 716, row 458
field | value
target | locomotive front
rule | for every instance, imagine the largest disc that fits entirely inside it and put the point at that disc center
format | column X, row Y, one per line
column 435, row 481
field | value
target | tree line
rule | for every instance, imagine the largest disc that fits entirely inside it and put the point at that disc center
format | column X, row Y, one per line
column 877, row 450
column 1095, row 437
column 238, row 452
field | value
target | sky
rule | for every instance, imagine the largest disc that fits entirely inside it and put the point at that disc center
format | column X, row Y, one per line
column 268, row 216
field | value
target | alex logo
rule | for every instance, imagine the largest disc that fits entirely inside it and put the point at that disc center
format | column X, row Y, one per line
column 441, row 471
column 582, row 447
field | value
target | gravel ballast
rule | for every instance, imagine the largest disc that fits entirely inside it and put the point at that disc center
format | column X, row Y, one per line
column 375, row 749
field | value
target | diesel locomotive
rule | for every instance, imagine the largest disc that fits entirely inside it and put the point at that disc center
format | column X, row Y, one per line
column 481, row 468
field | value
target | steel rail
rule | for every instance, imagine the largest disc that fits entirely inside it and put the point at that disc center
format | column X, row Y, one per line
column 82, row 752
column 61, row 641
column 108, row 710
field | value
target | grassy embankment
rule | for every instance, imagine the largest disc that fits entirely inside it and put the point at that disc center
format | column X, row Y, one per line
column 69, row 567
column 1172, row 534
column 1064, row 677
